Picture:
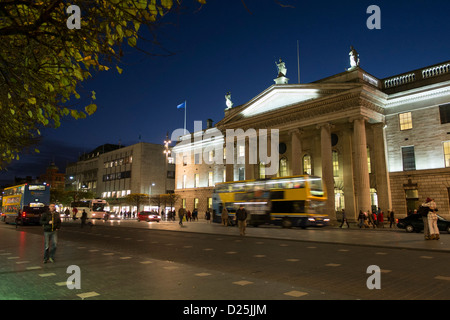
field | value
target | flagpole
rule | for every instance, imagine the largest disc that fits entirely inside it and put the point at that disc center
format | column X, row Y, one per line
column 298, row 62
column 185, row 107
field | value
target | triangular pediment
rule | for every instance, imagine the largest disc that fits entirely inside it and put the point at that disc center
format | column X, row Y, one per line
column 278, row 97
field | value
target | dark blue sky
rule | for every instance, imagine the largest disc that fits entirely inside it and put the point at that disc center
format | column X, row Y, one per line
column 223, row 47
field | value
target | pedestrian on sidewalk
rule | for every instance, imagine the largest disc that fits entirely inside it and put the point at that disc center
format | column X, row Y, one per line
column 423, row 211
column 225, row 216
column 83, row 218
column 344, row 219
column 361, row 218
column 241, row 217
column 181, row 213
column 380, row 219
column 432, row 221
column 371, row 218
column 51, row 222
column 391, row 218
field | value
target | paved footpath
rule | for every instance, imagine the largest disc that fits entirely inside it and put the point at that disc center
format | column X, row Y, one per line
column 382, row 237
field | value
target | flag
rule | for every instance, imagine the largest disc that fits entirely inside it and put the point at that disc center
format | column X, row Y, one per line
column 182, row 105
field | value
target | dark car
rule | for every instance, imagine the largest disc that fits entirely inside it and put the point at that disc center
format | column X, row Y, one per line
column 148, row 216
column 414, row 223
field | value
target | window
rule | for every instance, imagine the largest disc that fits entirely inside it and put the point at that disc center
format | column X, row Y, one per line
column 444, row 112
column 339, row 203
column 283, row 167
column 184, row 181
column 335, row 163
column 409, row 160
column 210, row 203
column 405, row 121
column 224, row 174
column 195, row 203
column 307, row 167
column 241, row 174
column 369, row 163
column 241, row 151
column 210, row 179
column 196, row 180
column 447, row 153
column 262, row 170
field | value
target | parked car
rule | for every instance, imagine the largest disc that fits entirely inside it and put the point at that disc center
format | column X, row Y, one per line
column 148, row 216
column 414, row 223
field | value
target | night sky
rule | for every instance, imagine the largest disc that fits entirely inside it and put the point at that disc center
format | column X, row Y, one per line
column 226, row 46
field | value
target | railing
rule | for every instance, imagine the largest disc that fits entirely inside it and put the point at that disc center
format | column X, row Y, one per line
column 436, row 71
column 399, row 80
column 416, row 75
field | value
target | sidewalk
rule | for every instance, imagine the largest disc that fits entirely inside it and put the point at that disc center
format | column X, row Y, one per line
column 381, row 237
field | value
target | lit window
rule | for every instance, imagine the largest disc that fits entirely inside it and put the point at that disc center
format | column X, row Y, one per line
column 262, row 170
column 335, row 163
column 369, row 164
column 184, row 181
column 447, row 153
column 210, row 179
column 196, row 180
column 307, row 167
column 283, row 167
column 405, row 121
column 241, row 151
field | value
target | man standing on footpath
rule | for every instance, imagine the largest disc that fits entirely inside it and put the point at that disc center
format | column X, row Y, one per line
column 241, row 217
column 51, row 222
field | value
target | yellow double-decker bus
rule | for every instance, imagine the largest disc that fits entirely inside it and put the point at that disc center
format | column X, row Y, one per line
column 296, row 201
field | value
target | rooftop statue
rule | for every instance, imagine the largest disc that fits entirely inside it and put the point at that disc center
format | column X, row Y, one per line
column 354, row 57
column 228, row 102
column 282, row 71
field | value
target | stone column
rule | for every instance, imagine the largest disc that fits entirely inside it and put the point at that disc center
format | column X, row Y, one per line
column 327, row 167
column 250, row 159
column 361, row 168
column 349, row 188
column 296, row 152
column 380, row 167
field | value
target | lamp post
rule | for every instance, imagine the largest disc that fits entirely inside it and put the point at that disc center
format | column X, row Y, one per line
column 150, row 195
column 167, row 153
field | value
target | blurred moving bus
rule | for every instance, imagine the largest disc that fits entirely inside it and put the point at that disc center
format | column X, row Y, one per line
column 25, row 203
column 297, row 201
column 95, row 208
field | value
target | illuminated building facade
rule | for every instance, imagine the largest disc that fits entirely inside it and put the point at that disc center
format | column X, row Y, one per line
column 375, row 142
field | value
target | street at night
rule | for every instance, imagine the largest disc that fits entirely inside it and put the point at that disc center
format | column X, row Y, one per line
column 129, row 260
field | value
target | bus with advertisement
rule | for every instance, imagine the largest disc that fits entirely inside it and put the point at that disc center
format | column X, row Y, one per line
column 95, row 208
column 25, row 203
column 296, row 201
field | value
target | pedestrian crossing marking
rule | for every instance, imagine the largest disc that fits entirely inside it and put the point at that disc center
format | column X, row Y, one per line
column 44, row 275
column 88, row 295
column 295, row 293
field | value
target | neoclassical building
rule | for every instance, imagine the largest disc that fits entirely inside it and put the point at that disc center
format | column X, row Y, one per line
column 375, row 142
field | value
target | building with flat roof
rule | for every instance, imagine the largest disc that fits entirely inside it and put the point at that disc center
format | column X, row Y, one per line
column 116, row 171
